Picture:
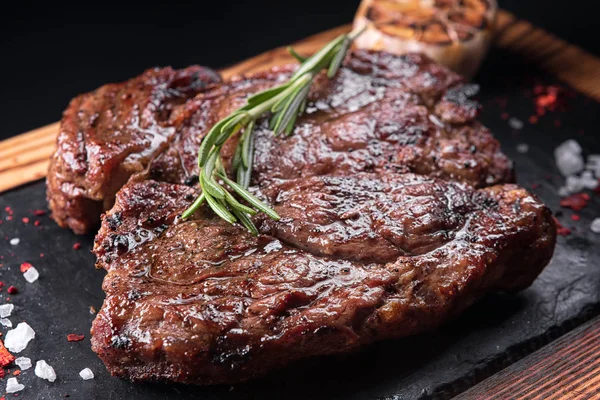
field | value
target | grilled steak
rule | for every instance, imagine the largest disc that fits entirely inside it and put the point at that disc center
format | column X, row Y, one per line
column 396, row 216
column 401, row 113
column 354, row 259
column 110, row 134
column 381, row 112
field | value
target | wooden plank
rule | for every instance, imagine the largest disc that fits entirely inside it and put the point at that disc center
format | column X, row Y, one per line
column 569, row 63
column 568, row 368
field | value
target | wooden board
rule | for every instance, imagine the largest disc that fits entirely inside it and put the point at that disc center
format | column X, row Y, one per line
column 566, row 369
column 25, row 157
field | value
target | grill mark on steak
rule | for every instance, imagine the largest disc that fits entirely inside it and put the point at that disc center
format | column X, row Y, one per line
column 110, row 134
column 221, row 306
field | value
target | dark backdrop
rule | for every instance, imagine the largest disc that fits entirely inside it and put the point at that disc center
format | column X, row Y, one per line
column 50, row 52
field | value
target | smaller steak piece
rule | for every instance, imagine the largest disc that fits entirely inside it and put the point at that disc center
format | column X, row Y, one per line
column 380, row 112
column 110, row 134
column 204, row 302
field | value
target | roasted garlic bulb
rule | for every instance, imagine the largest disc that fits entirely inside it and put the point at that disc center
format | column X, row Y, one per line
column 456, row 33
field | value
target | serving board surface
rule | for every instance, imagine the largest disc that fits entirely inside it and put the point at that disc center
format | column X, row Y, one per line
column 496, row 332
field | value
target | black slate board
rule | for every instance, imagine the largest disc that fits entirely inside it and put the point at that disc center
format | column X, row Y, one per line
column 498, row 330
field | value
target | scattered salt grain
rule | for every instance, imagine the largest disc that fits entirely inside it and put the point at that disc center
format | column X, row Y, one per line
column 6, row 310
column 515, row 123
column 44, row 371
column 568, row 157
column 593, row 164
column 569, row 146
column 15, row 241
column 563, row 191
column 5, row 322
column 23, row 363
column 86, row 374
column 13, row 386
column 31, row 275
column 595, row 226
column 17, row 339
column 574, row 184
column 523, row 148
column 588, row 180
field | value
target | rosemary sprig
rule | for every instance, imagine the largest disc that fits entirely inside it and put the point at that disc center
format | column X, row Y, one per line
column 285, row 103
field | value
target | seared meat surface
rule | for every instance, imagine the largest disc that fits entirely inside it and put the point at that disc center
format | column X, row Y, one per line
column 381, row 112
column 205, row 302
column 110, row 134
column 397, row 210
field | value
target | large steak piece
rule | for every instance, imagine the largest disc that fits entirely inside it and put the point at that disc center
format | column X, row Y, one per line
column 110, row 134
column 380, row 112
column 397, row 208
column 353, row 260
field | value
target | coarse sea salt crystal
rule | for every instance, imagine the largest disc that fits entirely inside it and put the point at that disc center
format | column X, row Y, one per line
column 31, row 275
column 44, row 371
column 595, row 226
column 6, row 310
column 588, row 180
column 574, row 184
column 15, row 241
column 17, row 339
column 563, row 191
column 515, row 123
column 569, row 146
column 13, row 386
column 5, row 322
column 23, row 363
column 569, row 163
column 523, row 148
column 86, row 374
column 568, row 158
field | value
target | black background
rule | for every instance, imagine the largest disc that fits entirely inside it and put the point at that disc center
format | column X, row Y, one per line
column 50, row 52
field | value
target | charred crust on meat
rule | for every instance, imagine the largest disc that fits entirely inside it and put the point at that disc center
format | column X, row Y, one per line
column 114, row 220
column 120, row 342
column 120, row 243
column 462, row 95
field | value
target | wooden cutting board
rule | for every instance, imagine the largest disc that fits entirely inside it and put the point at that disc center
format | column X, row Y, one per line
column 24, row 158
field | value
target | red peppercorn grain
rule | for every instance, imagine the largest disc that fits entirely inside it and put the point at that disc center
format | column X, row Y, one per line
column 73, row 337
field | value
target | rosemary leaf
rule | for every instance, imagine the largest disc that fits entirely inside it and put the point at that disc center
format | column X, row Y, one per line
column 246, row 221
column 208, row 142
column 248, row 145
column 338, row 58
column 317, row 59
column 289, row 127
column 236, row 205
column 250, row 198
column 237, row 156
column 265, row 95
column 296, row 55
column 291, row 110
column 211, row 161
column 211, row 187
column 243, row 177
column 220, row 210
column 195, row 205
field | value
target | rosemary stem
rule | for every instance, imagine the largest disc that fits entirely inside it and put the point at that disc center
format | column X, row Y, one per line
column 285, row 103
